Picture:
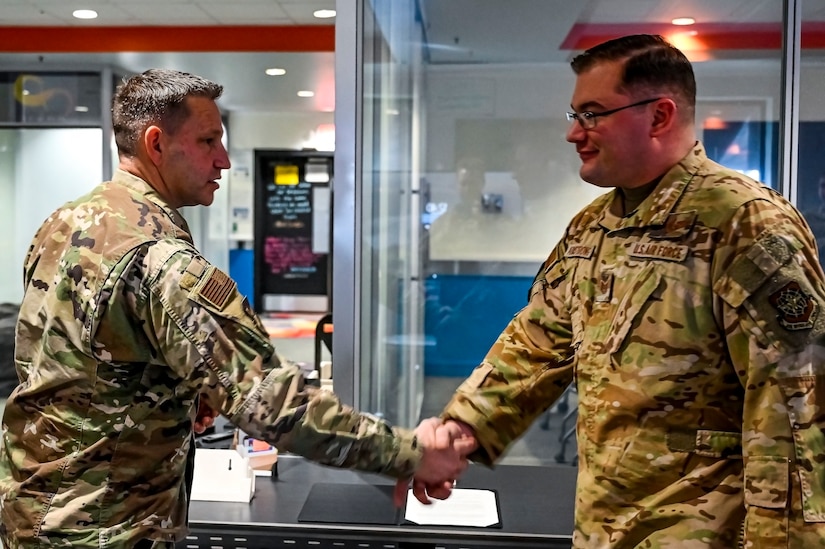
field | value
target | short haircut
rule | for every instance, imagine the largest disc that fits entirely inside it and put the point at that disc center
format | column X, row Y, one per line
column 157, row 96
column 651, row 65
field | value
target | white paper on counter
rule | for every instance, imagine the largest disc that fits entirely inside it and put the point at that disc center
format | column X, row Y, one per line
column 464, row 507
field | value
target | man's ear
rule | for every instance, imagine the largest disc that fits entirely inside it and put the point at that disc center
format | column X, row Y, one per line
column 152, row 142
column 664, row 116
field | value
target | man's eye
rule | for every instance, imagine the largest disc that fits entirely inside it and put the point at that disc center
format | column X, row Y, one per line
column 587, row 115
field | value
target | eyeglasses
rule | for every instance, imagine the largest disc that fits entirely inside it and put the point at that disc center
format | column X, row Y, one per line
column 587, row 119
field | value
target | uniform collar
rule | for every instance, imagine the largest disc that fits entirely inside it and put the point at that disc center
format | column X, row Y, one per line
column 133, row 182
column 655, row 209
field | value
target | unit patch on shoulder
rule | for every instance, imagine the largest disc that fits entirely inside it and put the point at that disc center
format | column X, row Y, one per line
column 216, row 288
column 797, row 309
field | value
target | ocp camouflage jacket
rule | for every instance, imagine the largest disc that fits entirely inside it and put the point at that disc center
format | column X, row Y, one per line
column 123, row 325
column 694, row 332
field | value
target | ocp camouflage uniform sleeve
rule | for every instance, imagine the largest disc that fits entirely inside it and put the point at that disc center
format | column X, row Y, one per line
column 210, row 335
column 771, row 303
column 525, row 370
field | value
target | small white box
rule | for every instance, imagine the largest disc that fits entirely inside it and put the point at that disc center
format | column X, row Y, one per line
column 222, row 475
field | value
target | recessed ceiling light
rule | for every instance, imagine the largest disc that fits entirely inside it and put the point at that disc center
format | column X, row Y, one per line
column 85, row 14
column 275, row 71
column 306, row 93
column 683, row 21
column 324, row 14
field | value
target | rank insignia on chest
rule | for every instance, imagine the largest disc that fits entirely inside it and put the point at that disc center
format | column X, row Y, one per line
column 797, row 309
column 605, row 289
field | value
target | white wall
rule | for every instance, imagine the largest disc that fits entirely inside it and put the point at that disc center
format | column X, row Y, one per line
column 10, row 280
column 524, row 106
column 259, row 130
column 52, row 167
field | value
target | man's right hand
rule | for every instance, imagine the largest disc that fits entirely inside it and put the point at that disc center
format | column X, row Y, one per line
column 446, row 447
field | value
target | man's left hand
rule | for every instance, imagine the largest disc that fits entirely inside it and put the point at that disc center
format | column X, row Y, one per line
column 205, row 416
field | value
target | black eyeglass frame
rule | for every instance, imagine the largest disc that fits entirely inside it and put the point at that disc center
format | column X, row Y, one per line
column 587, row 119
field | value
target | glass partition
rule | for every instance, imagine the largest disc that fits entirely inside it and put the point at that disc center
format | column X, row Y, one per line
column 465, row 182
column 56, row 143
column 44, row 98
column 40, row 170
column 391, row 336
column 810, row 160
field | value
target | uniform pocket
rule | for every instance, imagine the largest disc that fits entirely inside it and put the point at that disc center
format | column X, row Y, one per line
column 476, row 378
column 766, row 500
column 808, row 425
column 633, row 303
column 766, row 482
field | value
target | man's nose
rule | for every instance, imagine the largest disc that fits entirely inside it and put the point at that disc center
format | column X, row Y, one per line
column 223, row 159
column 575, row 132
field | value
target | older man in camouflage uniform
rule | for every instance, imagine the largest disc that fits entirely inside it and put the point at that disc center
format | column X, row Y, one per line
column 124, row 326
column 687, row 307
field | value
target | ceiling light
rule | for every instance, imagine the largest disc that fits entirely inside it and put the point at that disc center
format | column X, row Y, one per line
column 275, row 71
column 85, row 14
column 714, row 123
column 683, row 21
column 324, row 14
column 306, row 93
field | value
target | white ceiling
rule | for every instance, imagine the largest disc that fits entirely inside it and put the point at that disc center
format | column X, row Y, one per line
column 531, row 31
column 164, row 12
column 457, row 31
column 246, row 87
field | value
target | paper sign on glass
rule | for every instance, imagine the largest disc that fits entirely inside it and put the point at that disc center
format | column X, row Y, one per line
column 286, row 175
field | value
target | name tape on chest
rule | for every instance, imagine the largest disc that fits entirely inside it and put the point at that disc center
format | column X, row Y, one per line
column 583, row 252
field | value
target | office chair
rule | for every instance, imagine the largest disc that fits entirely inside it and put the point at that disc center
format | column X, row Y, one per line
column 323, row 336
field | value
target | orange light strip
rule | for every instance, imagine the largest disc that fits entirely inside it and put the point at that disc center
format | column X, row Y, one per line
column 299, row 38
column 712, row 36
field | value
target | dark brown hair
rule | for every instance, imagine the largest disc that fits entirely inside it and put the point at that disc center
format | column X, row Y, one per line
column 157, row 96
column 652, row 66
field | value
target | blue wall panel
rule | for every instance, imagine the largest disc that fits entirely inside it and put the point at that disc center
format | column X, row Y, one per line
column 463, row 316
column 241, row 270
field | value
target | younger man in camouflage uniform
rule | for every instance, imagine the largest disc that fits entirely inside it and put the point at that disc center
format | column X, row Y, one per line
column 124, row 326
column 688, row 307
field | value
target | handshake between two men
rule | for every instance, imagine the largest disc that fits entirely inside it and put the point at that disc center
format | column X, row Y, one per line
column 446, row 447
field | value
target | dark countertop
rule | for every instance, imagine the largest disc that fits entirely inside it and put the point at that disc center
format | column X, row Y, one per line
column 536, row 509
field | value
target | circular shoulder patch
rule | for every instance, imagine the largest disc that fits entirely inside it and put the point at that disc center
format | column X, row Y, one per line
column 797, row 309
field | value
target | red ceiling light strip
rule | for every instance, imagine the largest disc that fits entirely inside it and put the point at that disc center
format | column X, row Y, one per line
column 709, row 36
column 305, row 38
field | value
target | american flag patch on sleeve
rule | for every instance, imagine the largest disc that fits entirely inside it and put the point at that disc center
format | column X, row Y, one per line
column 217, row 288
